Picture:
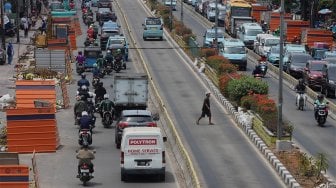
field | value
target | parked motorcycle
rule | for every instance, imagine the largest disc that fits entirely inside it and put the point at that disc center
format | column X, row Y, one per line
column 301, row 99
column 322, row 113
column 107, row 119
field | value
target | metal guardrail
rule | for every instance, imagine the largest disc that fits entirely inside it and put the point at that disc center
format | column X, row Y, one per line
column 253, row 58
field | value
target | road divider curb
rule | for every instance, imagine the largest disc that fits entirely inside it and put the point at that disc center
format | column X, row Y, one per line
column 190, row 170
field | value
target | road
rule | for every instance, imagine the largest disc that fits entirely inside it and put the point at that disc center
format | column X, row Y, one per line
column 307, row 134
column 60, row 169
column 223, row 154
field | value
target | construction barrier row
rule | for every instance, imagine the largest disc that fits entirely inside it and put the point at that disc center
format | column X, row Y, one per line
column 14, row 176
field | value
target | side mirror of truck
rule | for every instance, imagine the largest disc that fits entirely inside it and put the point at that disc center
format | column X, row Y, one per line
column 164, row 139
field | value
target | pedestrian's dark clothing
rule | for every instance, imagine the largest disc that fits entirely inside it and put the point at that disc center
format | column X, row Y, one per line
column 82, row 82
column 44, row 27
column 79, row 107
column 100, row 92
column 206, row 108
column 10, row 53
column 301, row 88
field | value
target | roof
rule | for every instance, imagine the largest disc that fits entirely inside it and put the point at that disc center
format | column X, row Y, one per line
column 318, row 61
column 129, row 130
column 136, row 112
column 252, row 25
column 233, row 42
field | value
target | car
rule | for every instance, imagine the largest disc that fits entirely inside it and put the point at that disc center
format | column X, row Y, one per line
column 247, row 32
column 330, row 54
column 289, row 48
column 313, row 75
column 273, row 56
column 234, row 51
column 210, row 35
column 104, row 15
column 94, row 3
column 109, row 28
column 296, row 63
column 211, row 10
column 170, row 3
column 118, row 42
column 153, row 28
column 133, row 118
column 264, row 42
column 331, row 60
column 105, row 4
column 91, row 54
column 329, row 89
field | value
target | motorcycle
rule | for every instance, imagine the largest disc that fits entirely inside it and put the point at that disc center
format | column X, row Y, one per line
column 258, row 76
column 77, row 118
column 85, row 137
column 322, row 113
column 263, row 68
column 85, row 175
column 80, row 68
column 98, row 101
column 108, row 67
column 107, row 119
column 117, row 65
column 301, row 99
column 95, row 82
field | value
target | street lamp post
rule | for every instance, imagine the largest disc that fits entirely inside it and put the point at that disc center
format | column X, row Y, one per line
column 18, row 21
column 280, row 99
column 171, row 15
column 3, row 26
column 216, row 25
column 182, row 11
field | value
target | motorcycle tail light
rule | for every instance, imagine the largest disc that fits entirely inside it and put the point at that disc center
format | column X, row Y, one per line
column 85, row 166
column 151, row 124
column 123, row 125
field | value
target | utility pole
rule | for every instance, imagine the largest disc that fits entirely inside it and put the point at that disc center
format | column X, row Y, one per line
column 18, row 21
column 3, row 32
column 171, row 15
column 216, row 25
column 280, row 99
column 182, row 11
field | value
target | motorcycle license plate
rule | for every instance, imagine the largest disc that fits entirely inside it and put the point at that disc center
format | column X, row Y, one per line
column 85, row 170
column 108, row 67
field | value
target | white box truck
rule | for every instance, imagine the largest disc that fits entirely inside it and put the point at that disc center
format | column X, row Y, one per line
column 143, row 152
column 130, row 92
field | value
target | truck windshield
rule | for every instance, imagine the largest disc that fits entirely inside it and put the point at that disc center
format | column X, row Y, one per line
column 153, row 22
column 253, row 32
column 234, row 50
column 241, row 11
column 332, row 73
column 212, row 35
column 317, row 67
column 275, row 50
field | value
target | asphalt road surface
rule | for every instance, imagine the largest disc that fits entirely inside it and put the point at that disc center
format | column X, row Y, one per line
column 311, row 138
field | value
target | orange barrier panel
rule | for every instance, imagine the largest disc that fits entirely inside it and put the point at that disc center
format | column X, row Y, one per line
column 31, row 135
column 41, row 128
column 30, row 149
column 35, row 82
column 29, row 111
column 14, row 169
column 33, row 123
column 311, row 35
column 257, row 10
column 32, row 141
column 14, row 184
column 294, row 28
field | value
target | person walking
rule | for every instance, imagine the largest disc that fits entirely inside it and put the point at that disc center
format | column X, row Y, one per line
column 10, row 53
column 206, row 109
column 26, row 28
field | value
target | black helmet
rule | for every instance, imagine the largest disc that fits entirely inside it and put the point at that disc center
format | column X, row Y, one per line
column 320, row 96
column 83, row 76
column 101, row 84
column 101, row 56
column 80, row 52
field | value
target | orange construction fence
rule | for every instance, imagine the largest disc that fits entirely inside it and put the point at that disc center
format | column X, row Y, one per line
column 311, row 35
column 294, row 28
column 257, row 10
column 14, row 176
column 275, row 20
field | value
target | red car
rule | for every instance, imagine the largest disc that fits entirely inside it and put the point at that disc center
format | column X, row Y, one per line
column 314, row 73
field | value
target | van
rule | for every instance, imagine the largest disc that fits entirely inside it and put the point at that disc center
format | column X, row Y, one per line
column 264, row 42
column 143, row 152
column 210, row 36
column 247, row 32
column 211, row 10
column 153, row 28
column 234, row 50
column 170, row 3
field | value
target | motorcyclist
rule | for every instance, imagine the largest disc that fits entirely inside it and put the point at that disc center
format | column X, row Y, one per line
column 85, row 156
column 319, row 101
column 108, row 57
column 83, row 81
column 100, row 61
column 257, row 70
column 95, row 70
column 86, row 122
column 80, row 58
column 84, row 92
column 117, row 55
column 106, row 105
column 90, row 32
column 300, row 88
column 79, row 107
column 100, row 91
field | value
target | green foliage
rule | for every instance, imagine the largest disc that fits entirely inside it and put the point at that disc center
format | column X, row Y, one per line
column 321, row 164
column 238, row 88
column 306, row 167
column 226, row 67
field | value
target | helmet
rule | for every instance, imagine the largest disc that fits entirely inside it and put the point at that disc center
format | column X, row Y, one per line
column 78, row 98
column 84, row 113
column 101, row 83
column 83, row 76
column 108, row 52
column 95, row 65
column 91, row 26
column 80, row 52
column 106, row 96
column 207, row 93
column 84, row 87
column 320, row 96
column 100, row 56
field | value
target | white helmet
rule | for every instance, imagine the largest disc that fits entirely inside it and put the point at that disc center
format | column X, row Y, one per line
column 207, row 92
column 84, row 113
column 106, row 96
column 84, row 87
